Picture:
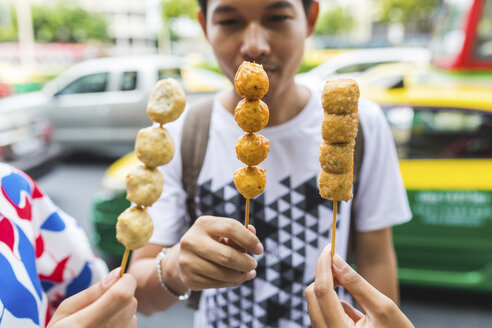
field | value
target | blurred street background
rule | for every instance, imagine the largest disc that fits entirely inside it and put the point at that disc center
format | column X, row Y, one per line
column 75, row 77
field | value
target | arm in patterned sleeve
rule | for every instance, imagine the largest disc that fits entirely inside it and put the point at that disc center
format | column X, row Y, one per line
column 44, row 254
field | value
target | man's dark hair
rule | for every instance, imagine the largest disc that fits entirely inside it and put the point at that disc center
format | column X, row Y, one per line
column 203, row 5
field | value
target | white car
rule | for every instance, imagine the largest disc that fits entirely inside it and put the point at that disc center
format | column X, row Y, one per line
column 99, row 105
column 352, row 63
column 26, row 141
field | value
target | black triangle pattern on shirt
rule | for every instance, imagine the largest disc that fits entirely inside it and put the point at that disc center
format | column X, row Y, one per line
column 289, row 229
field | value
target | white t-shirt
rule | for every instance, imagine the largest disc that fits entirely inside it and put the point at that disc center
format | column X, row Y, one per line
column 292, row 221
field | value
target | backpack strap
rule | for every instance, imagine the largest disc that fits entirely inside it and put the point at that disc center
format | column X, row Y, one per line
column 194, row 142
column 358, row 158
column 193, row 149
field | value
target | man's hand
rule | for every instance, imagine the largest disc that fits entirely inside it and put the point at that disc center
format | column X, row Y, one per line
column 103, row 305
column 211, row 254
column 327, row 310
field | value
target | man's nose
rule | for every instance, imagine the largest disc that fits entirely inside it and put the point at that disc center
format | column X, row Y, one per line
column 255, row 42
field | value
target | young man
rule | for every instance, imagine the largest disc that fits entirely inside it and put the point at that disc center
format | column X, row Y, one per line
column 292, row 222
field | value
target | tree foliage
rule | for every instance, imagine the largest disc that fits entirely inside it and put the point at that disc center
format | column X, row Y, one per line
column 62, row 24
column 335, row 21
column 177, row 8
column 405, row 11
column 8, row 26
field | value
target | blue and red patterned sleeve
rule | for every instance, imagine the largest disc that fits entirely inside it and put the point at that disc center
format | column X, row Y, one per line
column 45, row 255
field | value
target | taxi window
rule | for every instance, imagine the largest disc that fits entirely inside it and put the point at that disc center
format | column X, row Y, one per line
column 441, row 133
column 449, row 37
column 483, row 47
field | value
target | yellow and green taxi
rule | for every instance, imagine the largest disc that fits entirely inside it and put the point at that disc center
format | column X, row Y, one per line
column 442, row 127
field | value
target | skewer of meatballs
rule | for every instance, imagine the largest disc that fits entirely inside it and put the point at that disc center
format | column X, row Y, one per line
column 339, row 99
column 154, row 147
column 251, row 114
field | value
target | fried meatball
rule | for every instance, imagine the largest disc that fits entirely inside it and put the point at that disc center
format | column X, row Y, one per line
column 250, row 181
column 166, row 101
column 335, row 187
column 144, row 185
column 251, row 115
column 134, row 227
column 337, row 158
column 252, row 148
column 340, row 96
column 339, row 128
column 154, row 146
column 251, row 81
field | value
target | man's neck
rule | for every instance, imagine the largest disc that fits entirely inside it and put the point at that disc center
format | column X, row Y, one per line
column 283, row 107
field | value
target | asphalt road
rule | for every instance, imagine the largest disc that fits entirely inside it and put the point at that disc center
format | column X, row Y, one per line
column 73, row 184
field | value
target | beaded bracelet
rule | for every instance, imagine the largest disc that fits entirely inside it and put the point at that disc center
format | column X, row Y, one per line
column 159, row 258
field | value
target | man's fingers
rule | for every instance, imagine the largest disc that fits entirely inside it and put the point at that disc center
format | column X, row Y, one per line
column 89, row 295
column 353, row 313
column 364, row 293
column 324, row 290
column 111, row 302
column 232, row 229
column 335, row 283
column 315, row 314
column 231, row 243
column 218, row 253
column 196, row 281
column 198, row 265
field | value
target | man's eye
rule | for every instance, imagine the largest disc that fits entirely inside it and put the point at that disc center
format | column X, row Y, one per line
column 278, row 18
column 228, row 22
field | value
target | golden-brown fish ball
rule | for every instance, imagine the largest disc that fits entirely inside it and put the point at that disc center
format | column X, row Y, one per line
column 250, row 181
column 166, row 101
column 340, row 96
column 337, row 158
column 134, row 227
column 154, row 146
column 144, row 185
column 335, row 187
column 251, row 115
column 252, row 148
column 339, row 128
column 251, row 81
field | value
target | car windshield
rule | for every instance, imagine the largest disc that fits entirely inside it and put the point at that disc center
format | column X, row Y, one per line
column 449, row 37
column 441, row 132
column 91, row 83
column 483, row 46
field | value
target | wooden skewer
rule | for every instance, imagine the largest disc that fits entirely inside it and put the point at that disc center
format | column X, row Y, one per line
column 246, row 214
column 124, row 261
column 333, row 228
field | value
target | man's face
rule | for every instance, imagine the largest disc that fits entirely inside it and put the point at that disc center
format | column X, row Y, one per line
column 269, row 32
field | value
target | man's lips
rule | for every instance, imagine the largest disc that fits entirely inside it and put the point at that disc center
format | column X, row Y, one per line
column 269, row 71
column 269, row 68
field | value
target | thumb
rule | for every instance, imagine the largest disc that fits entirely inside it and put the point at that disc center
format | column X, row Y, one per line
column 364, row 293
column 88, row 296
column 252, row 228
